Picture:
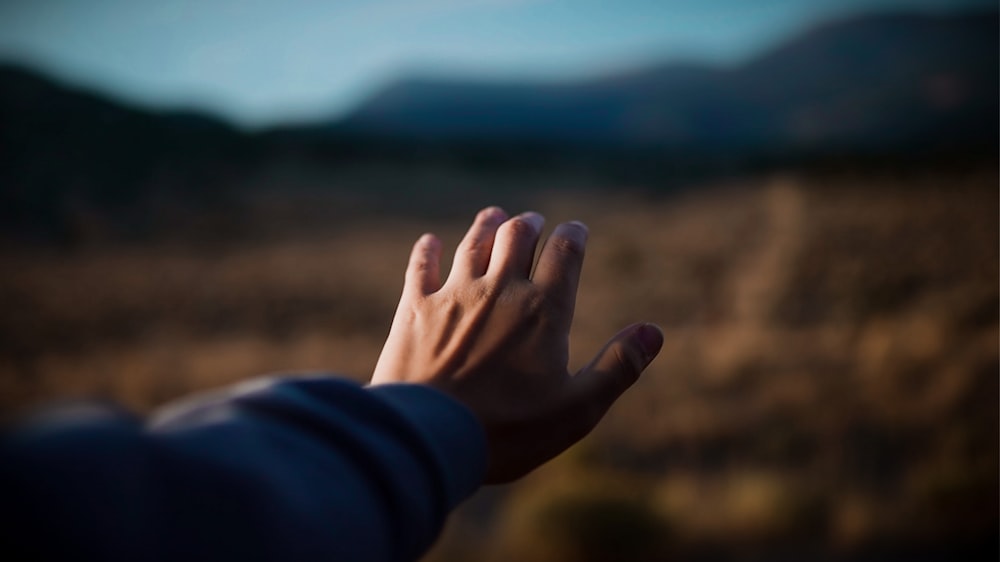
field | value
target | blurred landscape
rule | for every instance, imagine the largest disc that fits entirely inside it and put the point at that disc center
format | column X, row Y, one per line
column 816, row 230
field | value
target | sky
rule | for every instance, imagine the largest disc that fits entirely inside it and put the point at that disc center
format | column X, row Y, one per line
column 259, row 62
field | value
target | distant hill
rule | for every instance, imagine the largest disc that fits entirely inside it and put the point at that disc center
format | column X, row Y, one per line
column 66, row 153
column 872, row 81
column 875, row 85
column 45, row 124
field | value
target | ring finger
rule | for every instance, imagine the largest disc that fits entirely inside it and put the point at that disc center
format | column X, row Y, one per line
column 473, row 254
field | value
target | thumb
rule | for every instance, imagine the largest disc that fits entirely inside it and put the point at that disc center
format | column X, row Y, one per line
column 617, row 366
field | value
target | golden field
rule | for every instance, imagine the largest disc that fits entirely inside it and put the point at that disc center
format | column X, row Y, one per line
column 828, row 388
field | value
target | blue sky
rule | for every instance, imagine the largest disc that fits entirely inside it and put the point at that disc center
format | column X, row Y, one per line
column 258, row 62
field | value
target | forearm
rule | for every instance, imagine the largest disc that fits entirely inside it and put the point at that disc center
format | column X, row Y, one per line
column 308, row 468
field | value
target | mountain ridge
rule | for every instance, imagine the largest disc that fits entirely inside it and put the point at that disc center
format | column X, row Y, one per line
column 873, row 90
column 825, row 85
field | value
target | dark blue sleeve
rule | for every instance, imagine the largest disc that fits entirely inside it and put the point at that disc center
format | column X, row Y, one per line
column 312, row 468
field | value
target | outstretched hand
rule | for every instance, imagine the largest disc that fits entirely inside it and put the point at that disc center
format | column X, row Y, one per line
column 496, row 338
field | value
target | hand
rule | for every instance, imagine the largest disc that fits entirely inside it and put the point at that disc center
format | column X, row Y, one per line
column 496, row 338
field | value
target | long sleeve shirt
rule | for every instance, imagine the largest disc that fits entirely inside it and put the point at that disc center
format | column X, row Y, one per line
column 307, row 468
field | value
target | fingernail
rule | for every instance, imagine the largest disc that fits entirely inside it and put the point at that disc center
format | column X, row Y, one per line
column 576, row 231
column 534, row 219
column 650, row 339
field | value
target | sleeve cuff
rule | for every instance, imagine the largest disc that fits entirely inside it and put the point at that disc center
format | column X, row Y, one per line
column 449, row 428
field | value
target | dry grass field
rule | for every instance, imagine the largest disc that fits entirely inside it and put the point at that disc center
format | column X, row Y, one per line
column 828, row 388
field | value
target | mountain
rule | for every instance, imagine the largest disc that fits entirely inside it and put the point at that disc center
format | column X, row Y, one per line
column 66, row 152
column 876, row 81
column 73, row 161
column 45, row 126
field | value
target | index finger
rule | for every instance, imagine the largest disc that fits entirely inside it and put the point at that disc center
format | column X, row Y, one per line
column 559, row 265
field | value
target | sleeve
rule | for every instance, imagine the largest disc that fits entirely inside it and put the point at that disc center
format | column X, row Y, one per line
column 309, row 468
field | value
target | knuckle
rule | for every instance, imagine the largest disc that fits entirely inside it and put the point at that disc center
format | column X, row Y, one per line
column 567, row 247
column 519, row 228
column 413, row 311
column 487, row 288
column 481, row 292
column 473, row 246
column 556, row 301
column 421, row 265
column 630, row 365
column 536, row 304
